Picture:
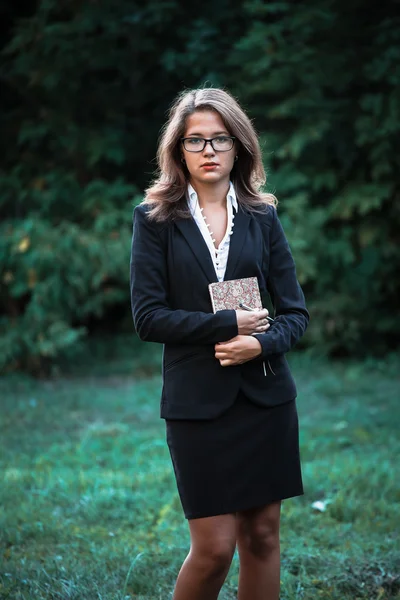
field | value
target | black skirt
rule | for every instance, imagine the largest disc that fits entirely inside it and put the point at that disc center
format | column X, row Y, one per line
column 246, row 458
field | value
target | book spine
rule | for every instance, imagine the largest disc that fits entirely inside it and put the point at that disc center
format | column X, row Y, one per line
column 210, row 289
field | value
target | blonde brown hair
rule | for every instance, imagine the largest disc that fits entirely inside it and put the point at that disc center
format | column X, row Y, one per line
column 167, row 195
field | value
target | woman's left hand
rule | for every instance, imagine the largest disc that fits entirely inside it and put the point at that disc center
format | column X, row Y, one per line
column 238, row 350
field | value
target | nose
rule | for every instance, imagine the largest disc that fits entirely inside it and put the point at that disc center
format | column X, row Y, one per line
column 208, row 149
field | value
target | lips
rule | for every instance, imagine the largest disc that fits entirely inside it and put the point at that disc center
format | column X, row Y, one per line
column 209, row 165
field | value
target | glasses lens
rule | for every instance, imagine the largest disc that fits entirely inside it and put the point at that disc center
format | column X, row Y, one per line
column 222, row 144
column 194, row 144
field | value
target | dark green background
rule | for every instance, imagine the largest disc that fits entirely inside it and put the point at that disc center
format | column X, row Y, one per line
column 85, row 90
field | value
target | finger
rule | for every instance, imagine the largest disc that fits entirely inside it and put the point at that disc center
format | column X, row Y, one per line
column 219, row 347
column 225, row 363
column 232, row 362
column 262, row 328
column 222, row 352
column 264, row 321
column 224, row 348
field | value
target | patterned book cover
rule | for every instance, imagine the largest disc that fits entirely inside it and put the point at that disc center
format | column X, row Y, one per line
column 229, row 294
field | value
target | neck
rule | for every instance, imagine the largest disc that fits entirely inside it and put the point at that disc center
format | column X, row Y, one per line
column 213, row 194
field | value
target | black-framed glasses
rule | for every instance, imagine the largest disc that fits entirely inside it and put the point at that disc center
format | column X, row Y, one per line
column 221, row 143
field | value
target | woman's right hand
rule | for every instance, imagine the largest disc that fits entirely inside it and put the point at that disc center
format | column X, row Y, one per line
column 250, row 322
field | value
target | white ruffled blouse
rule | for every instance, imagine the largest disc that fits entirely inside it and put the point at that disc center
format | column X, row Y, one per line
column 219, row 255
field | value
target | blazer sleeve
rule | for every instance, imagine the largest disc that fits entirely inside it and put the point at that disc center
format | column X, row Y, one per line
column 153, row 318
column 291, row 314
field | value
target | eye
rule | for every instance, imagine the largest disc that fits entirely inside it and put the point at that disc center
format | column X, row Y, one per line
column 193, row 141
column 222, row 139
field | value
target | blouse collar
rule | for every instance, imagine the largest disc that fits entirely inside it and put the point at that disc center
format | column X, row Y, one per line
column 193, row 199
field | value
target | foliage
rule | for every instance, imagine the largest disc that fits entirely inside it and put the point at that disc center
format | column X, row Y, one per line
column 60, row 273
column 322, row 80
column 86, row 92
column 86, row 88
column 90, row 507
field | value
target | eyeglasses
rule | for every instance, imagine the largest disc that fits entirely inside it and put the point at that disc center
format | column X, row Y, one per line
column 222, row 143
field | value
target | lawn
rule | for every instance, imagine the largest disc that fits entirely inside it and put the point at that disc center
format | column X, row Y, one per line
column 89, row 508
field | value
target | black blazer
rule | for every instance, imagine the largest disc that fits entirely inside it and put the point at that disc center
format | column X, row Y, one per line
column 171, row 268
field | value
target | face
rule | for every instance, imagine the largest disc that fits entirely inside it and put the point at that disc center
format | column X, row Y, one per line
column 207, row 124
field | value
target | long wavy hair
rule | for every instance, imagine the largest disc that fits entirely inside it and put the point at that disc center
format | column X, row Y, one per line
column 166, row 196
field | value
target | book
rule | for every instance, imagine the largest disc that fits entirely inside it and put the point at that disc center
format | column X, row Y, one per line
column 233, row 292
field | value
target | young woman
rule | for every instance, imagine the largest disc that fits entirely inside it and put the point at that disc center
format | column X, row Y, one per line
column 231, row 423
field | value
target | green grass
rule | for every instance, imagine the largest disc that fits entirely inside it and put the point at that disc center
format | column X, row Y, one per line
column 89, row 508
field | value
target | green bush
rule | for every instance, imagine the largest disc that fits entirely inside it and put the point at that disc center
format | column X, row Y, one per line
column 86, row 89
column 322, row 81
column 58, row 273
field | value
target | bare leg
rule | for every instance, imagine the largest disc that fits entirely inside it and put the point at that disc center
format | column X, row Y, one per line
column 213, row 542
column 259, row 553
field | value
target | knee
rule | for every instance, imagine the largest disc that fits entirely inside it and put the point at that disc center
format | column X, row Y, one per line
column 214, row 558
column 261, row 540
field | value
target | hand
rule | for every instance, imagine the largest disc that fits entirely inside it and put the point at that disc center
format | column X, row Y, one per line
column 238, row 350
column 252, row 321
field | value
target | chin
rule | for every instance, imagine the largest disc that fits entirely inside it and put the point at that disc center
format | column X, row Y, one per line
column 212, row 176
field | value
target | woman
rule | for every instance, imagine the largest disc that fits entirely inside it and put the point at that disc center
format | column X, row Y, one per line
column 231, row 425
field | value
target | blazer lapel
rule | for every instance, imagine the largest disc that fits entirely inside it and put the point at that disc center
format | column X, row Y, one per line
column 195, row 240
column 240, row 227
